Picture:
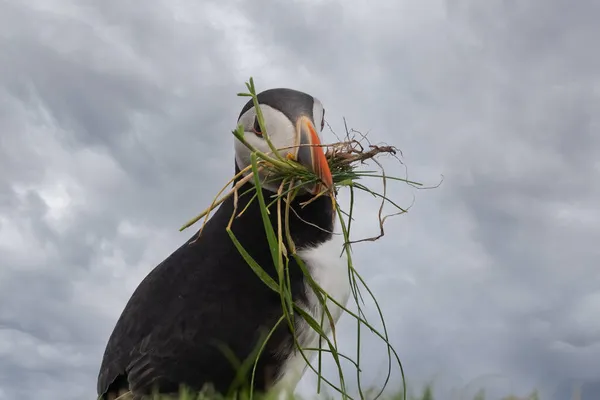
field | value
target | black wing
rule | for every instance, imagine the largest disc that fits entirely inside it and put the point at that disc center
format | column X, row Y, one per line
column 202, row 296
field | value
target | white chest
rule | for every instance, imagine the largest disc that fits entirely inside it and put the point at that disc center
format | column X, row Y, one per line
column 328, row 266
column 329, row 269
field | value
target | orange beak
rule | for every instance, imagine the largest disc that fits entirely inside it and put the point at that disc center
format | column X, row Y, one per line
column 312, row 155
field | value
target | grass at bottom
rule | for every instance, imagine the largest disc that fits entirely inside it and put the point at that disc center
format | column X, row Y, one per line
column 427, row 393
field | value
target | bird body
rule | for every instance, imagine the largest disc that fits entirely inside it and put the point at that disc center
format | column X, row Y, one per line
column 204, row 301
column 329, row 271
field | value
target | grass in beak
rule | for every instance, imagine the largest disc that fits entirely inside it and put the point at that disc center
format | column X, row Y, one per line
column 343, row 158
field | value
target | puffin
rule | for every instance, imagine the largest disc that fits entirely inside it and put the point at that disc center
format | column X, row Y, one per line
column 202, row 312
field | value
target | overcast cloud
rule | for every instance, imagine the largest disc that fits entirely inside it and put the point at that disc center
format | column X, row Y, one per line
column 115, row 122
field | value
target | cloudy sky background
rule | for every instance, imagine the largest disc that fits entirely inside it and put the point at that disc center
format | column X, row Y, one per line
column 115, row 124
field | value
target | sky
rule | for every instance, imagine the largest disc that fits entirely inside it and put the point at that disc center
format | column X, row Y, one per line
column 115, row 128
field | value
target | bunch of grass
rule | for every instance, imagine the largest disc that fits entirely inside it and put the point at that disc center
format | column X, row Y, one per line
column 343, row 157
column 427, row 393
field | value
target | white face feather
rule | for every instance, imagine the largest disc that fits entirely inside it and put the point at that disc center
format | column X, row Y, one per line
column 280, row 129
column 318, row 115
column 282, row 133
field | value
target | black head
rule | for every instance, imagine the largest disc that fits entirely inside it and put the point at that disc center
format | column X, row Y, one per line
column 293, row 121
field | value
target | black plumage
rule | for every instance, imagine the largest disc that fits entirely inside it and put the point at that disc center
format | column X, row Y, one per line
column 290, row 102
column 205, row 293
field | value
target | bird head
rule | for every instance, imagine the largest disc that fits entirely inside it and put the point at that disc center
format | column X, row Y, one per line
column 293, row 121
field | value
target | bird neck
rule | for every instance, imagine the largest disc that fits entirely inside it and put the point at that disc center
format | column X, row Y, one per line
column 310, row 221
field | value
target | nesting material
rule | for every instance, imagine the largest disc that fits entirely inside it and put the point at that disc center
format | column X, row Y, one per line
column 344, row 157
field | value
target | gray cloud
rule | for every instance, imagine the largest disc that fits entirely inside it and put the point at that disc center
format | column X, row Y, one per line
column 115, row 128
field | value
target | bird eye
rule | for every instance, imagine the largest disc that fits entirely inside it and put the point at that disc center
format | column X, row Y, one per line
column 256, row 127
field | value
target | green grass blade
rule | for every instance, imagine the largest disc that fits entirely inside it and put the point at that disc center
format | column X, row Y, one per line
column 260, row 350
column 368, row 175
column 258, row 270
column 270, row 232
